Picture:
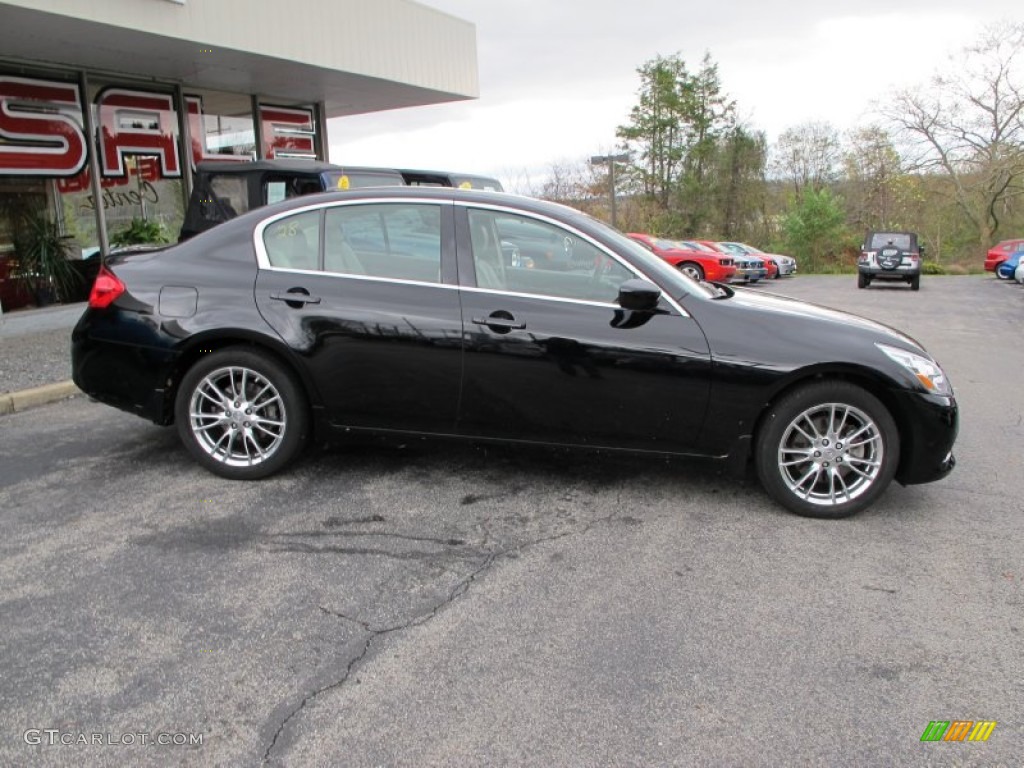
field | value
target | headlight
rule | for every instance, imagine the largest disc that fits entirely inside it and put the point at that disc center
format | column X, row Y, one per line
column 924, row 369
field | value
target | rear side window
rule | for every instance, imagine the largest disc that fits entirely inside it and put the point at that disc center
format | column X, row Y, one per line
column 400, row 241
column 229, row 197
column 294, row 242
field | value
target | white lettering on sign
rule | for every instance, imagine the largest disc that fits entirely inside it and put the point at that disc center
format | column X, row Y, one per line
column 137, row 123
column 41, row 125
column 287, row 132
column 42, row 130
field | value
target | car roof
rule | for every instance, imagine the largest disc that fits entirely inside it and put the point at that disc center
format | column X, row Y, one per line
column 440, row 194
column 284, row 166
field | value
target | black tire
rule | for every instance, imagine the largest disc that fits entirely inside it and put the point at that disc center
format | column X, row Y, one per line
column 863, row 468
column 692, row 269
column 915, row 283
column 863, row 281
column 269, row 412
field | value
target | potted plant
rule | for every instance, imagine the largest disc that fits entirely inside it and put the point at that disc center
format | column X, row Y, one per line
column 42, row 252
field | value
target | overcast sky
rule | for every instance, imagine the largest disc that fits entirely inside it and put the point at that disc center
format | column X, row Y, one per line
column 558, row 76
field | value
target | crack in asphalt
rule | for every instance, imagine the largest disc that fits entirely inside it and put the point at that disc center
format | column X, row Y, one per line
column 456, row 592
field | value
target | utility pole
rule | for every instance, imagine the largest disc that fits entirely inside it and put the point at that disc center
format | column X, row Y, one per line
column 610, row 161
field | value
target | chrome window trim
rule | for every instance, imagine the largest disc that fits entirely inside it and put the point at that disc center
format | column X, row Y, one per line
column 370, row 278
column 518, row 295
column 263, row 260
column 583, row 236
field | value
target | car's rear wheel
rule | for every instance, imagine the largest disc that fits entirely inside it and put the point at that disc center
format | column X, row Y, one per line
column 915, row 283
column 863, row 281
column 241, row 414
column 827, row 450
column 690, row 269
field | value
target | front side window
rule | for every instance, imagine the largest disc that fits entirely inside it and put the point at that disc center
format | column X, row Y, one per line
column 523, row 255
column 398, row 241
column 294, row 242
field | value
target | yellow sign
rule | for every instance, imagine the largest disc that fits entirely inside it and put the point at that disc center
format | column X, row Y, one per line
column 343, row 182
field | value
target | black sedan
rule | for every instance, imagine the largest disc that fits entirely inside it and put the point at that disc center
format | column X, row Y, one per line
column 396, row 311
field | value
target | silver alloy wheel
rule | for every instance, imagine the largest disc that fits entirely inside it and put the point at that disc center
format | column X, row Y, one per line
column 237, row 416
column 831, row 454
column 692, row 272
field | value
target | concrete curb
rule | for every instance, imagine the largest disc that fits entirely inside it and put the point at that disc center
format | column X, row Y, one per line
column 14, row 402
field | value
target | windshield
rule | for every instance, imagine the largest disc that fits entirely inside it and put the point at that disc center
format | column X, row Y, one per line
column 732, row 248
column 693, row 245
column 476, row 182
column 359, row 179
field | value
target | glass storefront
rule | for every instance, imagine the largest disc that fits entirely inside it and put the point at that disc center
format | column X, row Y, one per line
column 44, row 157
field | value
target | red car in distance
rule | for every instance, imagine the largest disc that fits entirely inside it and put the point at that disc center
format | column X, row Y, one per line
column 749, row 268
column 696, row 263
column 1000, row 252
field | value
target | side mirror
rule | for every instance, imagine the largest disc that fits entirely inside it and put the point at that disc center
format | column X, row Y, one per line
column 863, row 247
column 639, row 295
column 920, row 248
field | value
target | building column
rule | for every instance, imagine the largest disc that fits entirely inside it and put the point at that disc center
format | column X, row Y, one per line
column 94, row 166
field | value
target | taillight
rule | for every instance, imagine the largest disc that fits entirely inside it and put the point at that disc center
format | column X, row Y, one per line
column 105, row 289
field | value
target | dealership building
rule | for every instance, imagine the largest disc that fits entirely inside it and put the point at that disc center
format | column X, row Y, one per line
column 106, row 106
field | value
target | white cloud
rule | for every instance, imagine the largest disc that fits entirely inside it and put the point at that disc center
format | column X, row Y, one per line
column 558, row 78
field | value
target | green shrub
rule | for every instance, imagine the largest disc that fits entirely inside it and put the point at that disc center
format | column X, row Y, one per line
column 932, row 268
column 141, row 231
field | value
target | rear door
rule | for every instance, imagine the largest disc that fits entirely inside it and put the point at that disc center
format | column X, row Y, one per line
column 366, row 293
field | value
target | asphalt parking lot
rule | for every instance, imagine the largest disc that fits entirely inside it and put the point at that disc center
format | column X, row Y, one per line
column 428, row 605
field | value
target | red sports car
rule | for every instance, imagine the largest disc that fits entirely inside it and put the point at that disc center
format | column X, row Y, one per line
column 1000, row 252
column 697, row 263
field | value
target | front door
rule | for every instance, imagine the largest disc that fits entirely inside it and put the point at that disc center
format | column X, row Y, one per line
column 550, row 357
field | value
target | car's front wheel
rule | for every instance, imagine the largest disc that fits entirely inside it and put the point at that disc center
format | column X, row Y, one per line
column 827, row 449
column 241, row 414
column 691, row 269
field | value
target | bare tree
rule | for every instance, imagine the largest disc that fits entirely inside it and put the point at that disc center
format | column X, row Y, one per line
column 967, row 123
column 873, row 167
column 808, row 155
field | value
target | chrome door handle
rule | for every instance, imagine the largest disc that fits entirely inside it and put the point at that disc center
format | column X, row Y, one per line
column 504, row 323
column 295, row 298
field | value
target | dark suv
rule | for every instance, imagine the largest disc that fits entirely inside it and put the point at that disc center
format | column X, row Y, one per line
column 890, row 256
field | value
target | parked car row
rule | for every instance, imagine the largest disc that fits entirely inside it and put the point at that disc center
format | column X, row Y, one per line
column 1000, row 252
column 1009, row 268
column 720, row 262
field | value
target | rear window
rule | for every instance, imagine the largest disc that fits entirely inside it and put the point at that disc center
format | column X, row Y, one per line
column 899, row 240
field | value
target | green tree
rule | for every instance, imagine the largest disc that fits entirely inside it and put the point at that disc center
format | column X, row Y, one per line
column 815, row 228
column 740, row 183
column 674, row 133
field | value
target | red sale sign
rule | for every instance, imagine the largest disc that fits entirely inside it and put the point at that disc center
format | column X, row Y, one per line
column 41, row 128
column 42, row 131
